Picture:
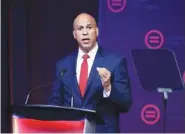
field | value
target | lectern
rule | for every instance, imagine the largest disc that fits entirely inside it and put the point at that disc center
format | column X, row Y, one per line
column 49, row 118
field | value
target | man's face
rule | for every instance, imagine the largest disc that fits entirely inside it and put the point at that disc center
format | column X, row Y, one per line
column 85, row 32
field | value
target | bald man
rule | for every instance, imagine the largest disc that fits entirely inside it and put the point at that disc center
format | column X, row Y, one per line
column 101, row 82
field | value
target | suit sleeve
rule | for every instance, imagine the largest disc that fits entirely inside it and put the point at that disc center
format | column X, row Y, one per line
column 121, row 89
column 56, row 97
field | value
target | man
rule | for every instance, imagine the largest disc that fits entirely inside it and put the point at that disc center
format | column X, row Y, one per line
column 101, row 82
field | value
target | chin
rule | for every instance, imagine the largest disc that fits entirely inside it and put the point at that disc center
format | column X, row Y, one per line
column 86, row 47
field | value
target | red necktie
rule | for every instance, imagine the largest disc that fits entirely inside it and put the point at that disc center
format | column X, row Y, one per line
column 83, row 74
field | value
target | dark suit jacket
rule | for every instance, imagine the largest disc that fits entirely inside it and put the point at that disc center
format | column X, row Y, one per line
column 107, row 108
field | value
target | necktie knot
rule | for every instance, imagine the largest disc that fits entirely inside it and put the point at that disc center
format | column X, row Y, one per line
column 85, row 56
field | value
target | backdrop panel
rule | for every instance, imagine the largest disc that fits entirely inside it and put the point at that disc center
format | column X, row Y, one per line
column 149, row 24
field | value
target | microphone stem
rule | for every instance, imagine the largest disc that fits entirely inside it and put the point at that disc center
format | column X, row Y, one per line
column 72, row 101
column 27, row 99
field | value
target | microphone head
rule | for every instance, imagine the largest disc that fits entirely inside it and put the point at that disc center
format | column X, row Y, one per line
column 62, row 71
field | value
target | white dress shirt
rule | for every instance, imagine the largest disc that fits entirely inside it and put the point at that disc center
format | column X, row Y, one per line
column 90, row 61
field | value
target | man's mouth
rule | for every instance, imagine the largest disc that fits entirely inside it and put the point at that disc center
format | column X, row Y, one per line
column 85, row 40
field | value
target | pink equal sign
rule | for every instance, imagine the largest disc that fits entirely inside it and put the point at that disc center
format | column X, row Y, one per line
column 150, row 114
column 116, row 5
column 154, row 39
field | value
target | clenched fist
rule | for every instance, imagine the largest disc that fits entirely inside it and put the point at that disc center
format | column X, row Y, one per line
column 105, row 76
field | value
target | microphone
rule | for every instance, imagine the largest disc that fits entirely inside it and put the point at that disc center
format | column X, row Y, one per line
column 62, row 72
column 72, row 96
column 31, row 90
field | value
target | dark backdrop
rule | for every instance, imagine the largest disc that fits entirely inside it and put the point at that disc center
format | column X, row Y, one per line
column 41, row 35
column 5, row 85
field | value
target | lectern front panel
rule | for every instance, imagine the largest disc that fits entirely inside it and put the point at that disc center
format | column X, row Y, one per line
column 23, row 125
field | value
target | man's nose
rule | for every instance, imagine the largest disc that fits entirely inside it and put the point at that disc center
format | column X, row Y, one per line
column 85, row 32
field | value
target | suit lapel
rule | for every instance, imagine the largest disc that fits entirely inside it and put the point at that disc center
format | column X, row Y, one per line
column 97, row 63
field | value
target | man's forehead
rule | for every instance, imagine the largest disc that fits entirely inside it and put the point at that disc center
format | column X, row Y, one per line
column 84, row 19
column 84, row 23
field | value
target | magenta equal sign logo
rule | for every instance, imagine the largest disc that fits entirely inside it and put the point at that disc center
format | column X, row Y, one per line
column 154, row 39
column 116, row 5
column 150, row 114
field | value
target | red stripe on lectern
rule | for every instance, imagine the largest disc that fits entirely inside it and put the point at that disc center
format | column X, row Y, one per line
column 22, row 125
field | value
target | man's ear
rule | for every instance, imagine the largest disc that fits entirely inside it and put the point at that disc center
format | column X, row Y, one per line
column 97, row 31
column 74, row 34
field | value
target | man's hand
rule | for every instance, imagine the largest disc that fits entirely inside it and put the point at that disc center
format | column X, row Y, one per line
column 105, row 76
